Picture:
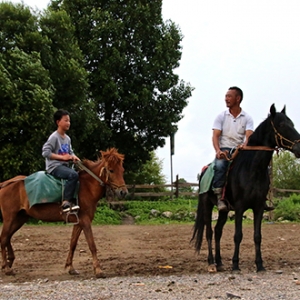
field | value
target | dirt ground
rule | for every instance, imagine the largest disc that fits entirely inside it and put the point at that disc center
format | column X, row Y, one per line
column 128, row 250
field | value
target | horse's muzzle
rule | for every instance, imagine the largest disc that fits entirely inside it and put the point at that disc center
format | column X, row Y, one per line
column 121, row 193
column 296, row 149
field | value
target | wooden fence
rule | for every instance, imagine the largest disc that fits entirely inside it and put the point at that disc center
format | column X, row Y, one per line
column 176, row 190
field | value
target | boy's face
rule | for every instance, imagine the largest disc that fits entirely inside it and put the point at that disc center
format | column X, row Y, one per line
column 64, row 123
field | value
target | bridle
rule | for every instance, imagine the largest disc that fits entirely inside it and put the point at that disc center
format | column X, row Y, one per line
column 279, row 137
column 102, row 183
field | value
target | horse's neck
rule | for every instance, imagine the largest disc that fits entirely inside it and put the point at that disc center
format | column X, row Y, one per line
column 90, row 184
column 261, row 160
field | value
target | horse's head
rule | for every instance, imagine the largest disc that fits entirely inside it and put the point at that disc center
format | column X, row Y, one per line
column 285, row 134
column 112, row 172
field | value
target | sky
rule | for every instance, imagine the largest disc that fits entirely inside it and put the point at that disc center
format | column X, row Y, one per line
column 254, row 45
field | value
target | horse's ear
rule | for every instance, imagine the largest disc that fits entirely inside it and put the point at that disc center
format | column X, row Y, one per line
column 283, row 110
column 273, row 110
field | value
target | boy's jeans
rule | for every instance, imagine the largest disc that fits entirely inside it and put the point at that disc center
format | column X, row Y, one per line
column 71, row 176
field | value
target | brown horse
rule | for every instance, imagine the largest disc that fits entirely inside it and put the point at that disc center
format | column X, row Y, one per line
column 14, row 204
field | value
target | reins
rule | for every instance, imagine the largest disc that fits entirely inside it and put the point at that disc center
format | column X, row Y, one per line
column 241, row 148
column 83, row 167
column 279, row 142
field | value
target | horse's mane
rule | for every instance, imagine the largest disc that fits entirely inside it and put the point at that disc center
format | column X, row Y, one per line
column 110, row 156
column 259, row 136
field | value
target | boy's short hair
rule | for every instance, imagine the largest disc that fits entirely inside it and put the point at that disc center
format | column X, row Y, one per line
column 59, row 114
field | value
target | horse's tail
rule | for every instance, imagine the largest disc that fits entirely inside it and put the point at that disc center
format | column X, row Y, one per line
column 199, row 224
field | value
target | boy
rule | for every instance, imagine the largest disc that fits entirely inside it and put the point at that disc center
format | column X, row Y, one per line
column 58, row 152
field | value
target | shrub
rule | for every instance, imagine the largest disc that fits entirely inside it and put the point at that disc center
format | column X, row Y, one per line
column 288, row 208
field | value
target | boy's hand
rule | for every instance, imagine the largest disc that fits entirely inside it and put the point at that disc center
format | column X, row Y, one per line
column 75, row 159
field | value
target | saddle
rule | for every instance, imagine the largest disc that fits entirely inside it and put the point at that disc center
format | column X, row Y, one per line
column 42, row 187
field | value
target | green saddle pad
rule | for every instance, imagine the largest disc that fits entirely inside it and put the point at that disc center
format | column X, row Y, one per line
column 206, row 180
column 42, row 187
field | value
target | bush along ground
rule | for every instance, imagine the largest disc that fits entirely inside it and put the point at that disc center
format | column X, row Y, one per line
column 179, row 211
column 184, row 211
column 147, row 212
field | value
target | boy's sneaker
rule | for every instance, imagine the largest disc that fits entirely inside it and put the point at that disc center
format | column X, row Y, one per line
column 75, row 207
column 66, row 206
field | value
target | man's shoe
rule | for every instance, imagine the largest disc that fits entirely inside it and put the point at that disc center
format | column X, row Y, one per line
column 222, row 206
column 66, row 206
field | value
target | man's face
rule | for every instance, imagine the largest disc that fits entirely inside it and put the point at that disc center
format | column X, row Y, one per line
column 231, row 98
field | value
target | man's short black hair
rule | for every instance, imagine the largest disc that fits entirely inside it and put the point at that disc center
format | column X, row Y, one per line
column 238, row 90
column 59, row 114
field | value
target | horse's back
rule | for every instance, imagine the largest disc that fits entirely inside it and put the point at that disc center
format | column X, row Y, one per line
column 13, row 195
column 12, row 180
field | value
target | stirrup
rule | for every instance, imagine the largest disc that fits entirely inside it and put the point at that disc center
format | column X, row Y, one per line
column 75, row 213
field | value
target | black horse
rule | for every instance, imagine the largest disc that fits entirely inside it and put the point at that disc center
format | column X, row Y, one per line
column 247, row 188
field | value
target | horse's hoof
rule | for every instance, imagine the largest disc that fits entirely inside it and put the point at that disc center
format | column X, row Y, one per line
column 100, row 275
column 73, row 272
column 10, row 272
column 236, row 270
column 261, row 270
column 220, row 268
column 212, row 269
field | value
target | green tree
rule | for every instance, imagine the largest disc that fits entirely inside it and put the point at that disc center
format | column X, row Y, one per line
column 184, row 189
column 25, row 92
column 63, row 58
column 41, row 70
column 149, row 173
column 130, row 55
column 286, row 171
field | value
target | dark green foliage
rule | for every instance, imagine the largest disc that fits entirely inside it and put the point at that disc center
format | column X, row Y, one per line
column 33, row 76
column 26, row 93
column 288, row 208
column 109, row 63
column 286, row 171
column 182, row 211
column 130, row 55
column 105, row 215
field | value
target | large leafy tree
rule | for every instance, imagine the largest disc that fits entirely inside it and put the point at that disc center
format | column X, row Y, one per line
column 25, row 92
column 130, row 55
column 63, row 58
column 41, row 70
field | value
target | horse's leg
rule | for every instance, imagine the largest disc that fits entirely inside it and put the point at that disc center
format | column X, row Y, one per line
column 209, row 234
column 208, row 207
column 218, row 235
column 238, row 236
column 9, row 228
column 87, row 229
column 6, row 245
column 74, row 239
column 258, row 214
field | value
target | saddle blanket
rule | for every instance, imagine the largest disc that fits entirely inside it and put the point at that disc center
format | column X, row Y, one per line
column 42, row 187
column 206, row 180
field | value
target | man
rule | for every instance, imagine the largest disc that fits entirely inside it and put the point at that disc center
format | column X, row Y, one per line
column 231, row 129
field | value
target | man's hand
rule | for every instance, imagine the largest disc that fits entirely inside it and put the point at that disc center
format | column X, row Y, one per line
column 220, row 154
